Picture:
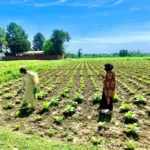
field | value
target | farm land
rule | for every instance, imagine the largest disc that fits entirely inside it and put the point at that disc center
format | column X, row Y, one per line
column 68, row 101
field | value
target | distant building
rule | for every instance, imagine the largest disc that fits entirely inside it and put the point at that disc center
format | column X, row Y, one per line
column 34, row 55
column 2, row 55
column 31, row 53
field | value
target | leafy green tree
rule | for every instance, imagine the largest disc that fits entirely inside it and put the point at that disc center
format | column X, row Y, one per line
column 123, row 53
column 58, row 38
column 2, row 39
column 79, row 52
column 17, row 39
column 38, row 41
column 48, row 48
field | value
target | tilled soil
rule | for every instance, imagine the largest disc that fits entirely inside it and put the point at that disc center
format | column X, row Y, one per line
column 83, row 125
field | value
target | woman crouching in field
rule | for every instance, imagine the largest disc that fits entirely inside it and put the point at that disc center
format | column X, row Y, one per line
column 109, row 85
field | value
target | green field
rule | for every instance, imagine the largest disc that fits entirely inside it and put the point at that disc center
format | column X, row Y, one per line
column 68, row 103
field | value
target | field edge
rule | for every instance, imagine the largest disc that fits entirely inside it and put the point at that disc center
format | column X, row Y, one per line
column 10, row 140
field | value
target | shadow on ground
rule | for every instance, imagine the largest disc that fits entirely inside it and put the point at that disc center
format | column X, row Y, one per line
column 104, row 117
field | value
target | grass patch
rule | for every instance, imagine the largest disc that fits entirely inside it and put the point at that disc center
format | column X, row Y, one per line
column 10, row 140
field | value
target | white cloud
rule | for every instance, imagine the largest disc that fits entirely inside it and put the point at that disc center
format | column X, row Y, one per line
column 21, row 1
column 45, row 4
column 108, row 48
column 62, row 1
column 75, row 3
column 135, row 8
column 137, row 41
column 118, row 2
column 89, row 3
column 114, row 39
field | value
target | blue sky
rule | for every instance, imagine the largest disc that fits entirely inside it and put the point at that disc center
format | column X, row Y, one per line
column 96, row 26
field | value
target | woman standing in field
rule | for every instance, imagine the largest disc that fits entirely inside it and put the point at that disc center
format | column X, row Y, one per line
column 30, row 83
column 109, row 85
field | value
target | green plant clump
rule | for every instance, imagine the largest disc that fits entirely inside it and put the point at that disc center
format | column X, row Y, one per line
column 130, row 117
column 96, row 98
column 78, row 97
column 130, row 145
column 58, row 120
column 69, row 110
column 46, row 106
column 125, row 107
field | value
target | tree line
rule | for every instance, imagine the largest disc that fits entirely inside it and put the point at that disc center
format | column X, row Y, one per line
column 15, row 41
column 122, row 53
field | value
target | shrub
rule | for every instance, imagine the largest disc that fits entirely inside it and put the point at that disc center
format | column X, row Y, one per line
column 45, row 94
column 17, row 113
column 69, row 110
column 26, row 106
column 69, row 135
column 63, row 94
column 54, row 102
column 39, row 118
column 101, row 125
column 74, row 104
column 18, row 101
column 130, row 117
column 132, row 130
column 39, row 96
column 17, row 127
column 9, row 96
column 95, row 140
column 125, row 107
column 78, row 97
column 130, row 145
column 7, row 90
column 139, row 99
column 10, row 105
column 116, row 98
column 50, row 90
column 41, row 86
column 58, row 120
column 96, row 98
column 46, row 106
column 50, row 132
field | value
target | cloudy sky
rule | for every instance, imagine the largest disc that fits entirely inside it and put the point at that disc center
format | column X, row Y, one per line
column 96, row 26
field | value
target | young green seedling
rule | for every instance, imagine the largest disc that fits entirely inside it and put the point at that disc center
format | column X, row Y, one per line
column 96, row 98
column 58, row 120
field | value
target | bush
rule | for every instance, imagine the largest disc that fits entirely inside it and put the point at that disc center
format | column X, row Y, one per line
column 69, row 111
column 130, row 145
column 130, row 117
column 96, row 98
column 58, row 120
column 132, row 130
column 78, row 97
column 125, row 107
column 139, row 99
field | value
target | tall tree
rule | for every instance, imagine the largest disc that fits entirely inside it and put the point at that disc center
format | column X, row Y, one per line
column 79, row 52
column 17, row 39
column 58, row 38
column 2, row 39
column 38, row 41
column 123, row 53
column 48, row 48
